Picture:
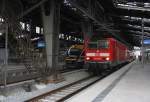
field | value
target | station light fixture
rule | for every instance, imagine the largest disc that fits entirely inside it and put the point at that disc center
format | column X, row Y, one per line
column 139, row 32
column 133, row 6
column 135, row 18
column 1, row 34
column 38, row 30
column 146, row 4
column 132, row 3
column 139, row 27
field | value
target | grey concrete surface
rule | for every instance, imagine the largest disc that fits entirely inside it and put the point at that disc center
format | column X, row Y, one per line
column 134, row 87
column 18, row 94
column 93, row 91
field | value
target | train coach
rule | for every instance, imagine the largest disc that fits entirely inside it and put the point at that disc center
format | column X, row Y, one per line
column 105, row 54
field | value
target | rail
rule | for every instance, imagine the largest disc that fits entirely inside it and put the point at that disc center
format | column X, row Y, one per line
column 65, row 92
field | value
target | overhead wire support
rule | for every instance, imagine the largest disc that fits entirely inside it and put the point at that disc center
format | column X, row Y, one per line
column 100, row 6
column 31, row 9
column 103, row 26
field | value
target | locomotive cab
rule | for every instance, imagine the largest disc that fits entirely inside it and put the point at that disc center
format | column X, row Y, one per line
column 98, row 51
column 98, row 56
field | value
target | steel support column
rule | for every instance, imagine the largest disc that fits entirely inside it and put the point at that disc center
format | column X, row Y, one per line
column 6, row 55
column 51, row 32
column 142, row 41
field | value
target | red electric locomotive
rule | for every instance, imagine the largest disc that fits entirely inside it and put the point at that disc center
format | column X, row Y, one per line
column 105, row 53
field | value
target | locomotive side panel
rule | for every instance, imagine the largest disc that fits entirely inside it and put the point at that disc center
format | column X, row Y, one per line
column 113, row 52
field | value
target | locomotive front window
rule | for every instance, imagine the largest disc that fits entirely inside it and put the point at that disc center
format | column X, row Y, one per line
column 75, row 52
column 102, row 44
column 92, row 45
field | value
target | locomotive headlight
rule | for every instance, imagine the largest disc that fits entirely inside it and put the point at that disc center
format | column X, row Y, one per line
column 87, row 58
column 107, row 58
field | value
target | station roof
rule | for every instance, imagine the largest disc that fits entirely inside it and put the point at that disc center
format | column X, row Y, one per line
column 121, row 19
column 128, row 16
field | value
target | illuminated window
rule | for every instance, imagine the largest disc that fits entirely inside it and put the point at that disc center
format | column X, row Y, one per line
column 1, row 20
column 38, row 30
column 22, row 25
column 62, row 36
column 75, row 39
column 42, row 31
column 28, row 27
column 59, row 36
column 69, row 37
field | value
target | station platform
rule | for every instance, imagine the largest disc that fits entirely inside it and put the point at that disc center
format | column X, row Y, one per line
column 129, row 84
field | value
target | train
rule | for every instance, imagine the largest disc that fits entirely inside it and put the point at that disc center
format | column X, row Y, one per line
column 75, row 56
column 105, row 54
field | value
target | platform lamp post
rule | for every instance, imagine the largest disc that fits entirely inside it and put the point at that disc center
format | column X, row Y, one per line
column 142, row 42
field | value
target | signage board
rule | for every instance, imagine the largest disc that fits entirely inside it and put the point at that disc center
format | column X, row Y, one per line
column 146, row 42
column 41, row 44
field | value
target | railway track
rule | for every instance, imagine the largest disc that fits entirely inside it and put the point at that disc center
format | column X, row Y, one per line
column 65, row 92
